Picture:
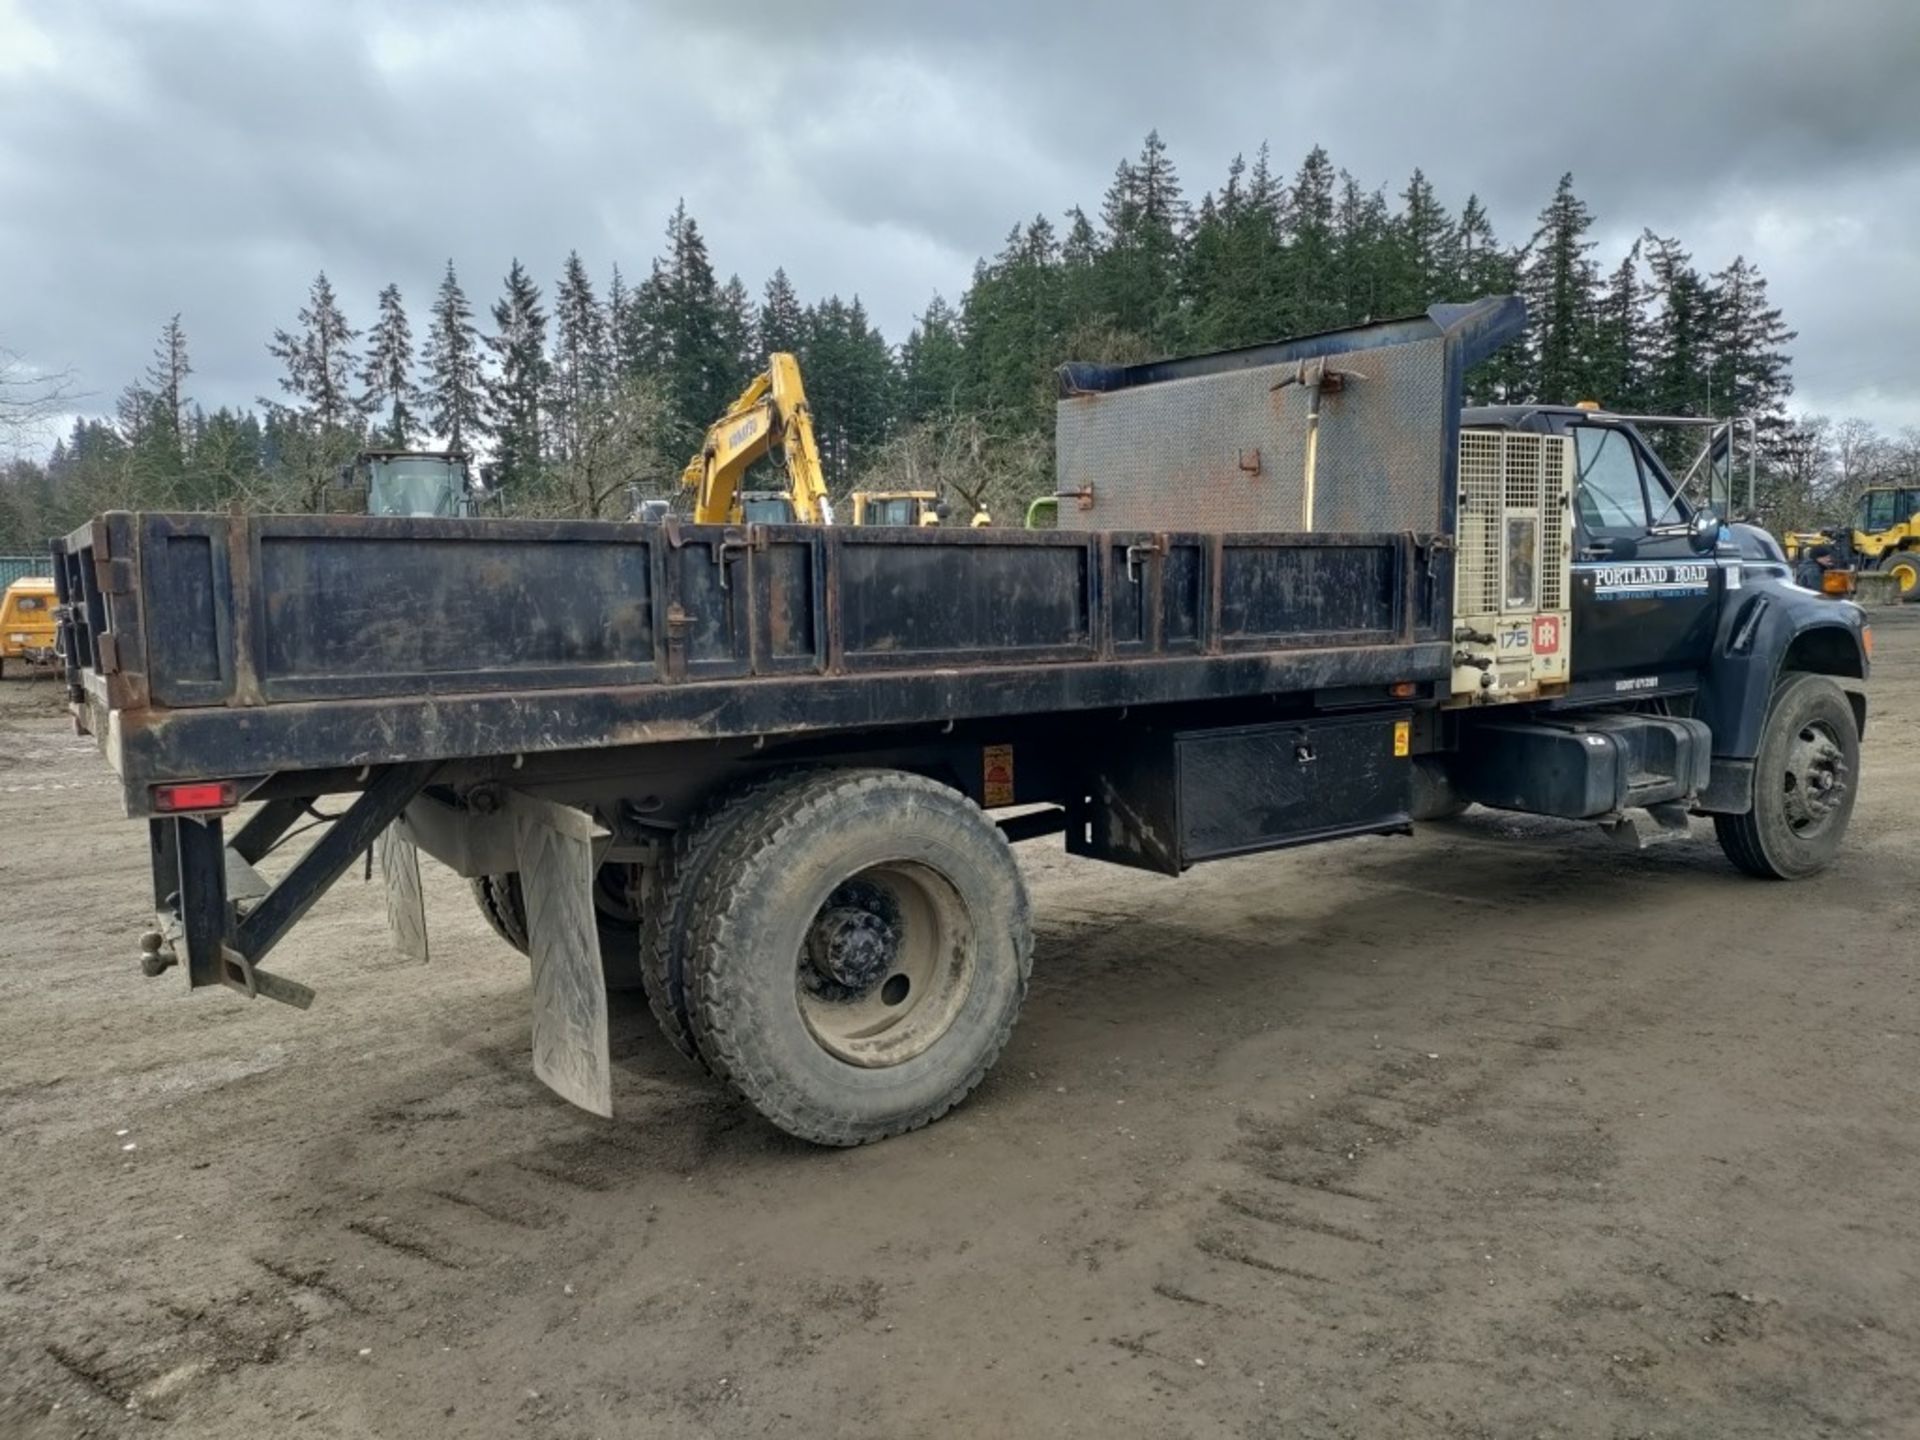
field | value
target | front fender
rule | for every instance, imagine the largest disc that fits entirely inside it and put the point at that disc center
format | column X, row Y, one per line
column 1774, row 625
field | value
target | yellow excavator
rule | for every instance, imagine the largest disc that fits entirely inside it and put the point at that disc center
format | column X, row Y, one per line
column 771, row 414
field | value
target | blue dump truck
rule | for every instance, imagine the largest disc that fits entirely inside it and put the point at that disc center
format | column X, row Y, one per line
column 771, row 774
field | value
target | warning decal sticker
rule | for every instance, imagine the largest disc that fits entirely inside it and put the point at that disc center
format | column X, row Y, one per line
column 996, row 775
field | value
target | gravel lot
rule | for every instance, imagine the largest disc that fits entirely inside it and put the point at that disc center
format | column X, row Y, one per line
column 1498, row 1131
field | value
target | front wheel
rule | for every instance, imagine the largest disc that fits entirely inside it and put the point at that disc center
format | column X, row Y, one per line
column 1905, row 570
column 861, row 946
column 1804, row 782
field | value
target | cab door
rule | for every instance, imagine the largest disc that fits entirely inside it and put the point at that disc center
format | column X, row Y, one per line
column 1644, row 603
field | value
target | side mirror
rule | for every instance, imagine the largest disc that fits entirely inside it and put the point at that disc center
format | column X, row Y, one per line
column 1703, row 533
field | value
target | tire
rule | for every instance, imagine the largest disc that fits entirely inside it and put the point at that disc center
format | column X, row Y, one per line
column 1805, row 780
column 861, row 949
column 666, row 934
column 1905, row 569
column 501, row 904
column 505, row 910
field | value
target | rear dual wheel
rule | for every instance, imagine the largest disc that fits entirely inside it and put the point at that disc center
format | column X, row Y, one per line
column 851, row 950
column 616, row 913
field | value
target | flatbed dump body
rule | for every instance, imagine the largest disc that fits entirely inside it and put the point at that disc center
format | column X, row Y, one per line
column 253, row 646
column 243, row 647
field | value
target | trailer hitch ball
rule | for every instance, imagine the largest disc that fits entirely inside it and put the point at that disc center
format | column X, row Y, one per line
column 156, row 957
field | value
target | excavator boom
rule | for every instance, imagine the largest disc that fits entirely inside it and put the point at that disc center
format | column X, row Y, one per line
column 771, row 412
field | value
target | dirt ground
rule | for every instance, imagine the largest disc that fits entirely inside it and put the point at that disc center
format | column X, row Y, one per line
column 1497, row 1131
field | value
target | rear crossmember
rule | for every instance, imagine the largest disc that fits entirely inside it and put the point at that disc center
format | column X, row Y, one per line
column 222, row 917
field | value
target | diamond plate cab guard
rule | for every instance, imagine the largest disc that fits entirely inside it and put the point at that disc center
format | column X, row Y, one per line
column 1354, row 429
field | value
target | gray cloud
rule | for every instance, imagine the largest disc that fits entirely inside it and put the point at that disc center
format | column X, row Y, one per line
column 174, row 156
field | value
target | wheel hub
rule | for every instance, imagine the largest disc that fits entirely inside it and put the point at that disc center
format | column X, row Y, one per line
column 1816, row 779
column 853, row 947
column 886, row 964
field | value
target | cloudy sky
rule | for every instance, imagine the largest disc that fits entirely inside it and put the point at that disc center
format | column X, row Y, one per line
column 209, row 158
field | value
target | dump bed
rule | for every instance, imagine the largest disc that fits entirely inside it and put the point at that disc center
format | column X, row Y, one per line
column 229, row 646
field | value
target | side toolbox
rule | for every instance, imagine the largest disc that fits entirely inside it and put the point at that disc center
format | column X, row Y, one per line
column 1166, row 800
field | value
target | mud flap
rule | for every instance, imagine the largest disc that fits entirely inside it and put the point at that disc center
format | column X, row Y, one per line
column 555, row 846
column 406, row 906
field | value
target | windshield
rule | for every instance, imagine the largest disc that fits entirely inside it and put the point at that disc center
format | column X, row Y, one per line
column 1609, row 495
column 1878, row 510
column 416, row 485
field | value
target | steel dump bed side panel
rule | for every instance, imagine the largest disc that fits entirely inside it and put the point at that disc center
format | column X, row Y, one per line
column 217, row 645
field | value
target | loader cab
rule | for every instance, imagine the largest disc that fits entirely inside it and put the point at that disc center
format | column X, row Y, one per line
column 1885, row 518
column 1646, row 580
column 415, row 482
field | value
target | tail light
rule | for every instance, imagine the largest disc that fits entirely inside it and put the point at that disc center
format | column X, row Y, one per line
column 199, row 795
column 1837, row 582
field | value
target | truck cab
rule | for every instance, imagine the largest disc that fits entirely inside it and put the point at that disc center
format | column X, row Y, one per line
column 1683, row 638
column 1647, row 584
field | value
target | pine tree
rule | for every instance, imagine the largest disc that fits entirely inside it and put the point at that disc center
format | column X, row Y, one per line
column 1144, row 216
column 681, row 334
column 1423, row 263
column 579, row 357
column 1078, row 288
column 227, row 462
column 387, row 375
column 616, row 361
column 1617, row 368
column 932, row 363
column 319, row 362
column 518, row 385
column 1207, row 280
column 1483, row 267
column 1750, row 375
column 739, row 331
column 782, row 320
column 456, row 387
column 1014, row 324
column 1310, row 289
column 1362, row 252
column 850, row 380
column 1680, row 339
column 1559, row 282
column 1260, row 249
column 167, row 379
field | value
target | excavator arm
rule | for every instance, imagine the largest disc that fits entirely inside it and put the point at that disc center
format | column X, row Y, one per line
column 771, row 413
